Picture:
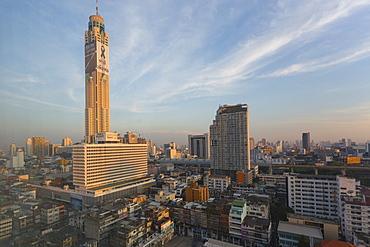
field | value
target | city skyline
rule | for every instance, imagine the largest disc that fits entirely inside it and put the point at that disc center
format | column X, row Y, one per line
column 172, row 65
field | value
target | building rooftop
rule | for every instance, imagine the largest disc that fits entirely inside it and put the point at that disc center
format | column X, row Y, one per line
column 309, row 231
column 239, row 203
column 311, row 218
column 253, row 221
column 334, row 243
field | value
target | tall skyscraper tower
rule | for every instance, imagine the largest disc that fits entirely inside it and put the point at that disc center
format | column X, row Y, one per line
column 306, row 141
column 229, row 136
column 97, row 113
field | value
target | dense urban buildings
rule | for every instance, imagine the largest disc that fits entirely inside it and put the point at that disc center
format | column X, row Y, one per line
column 103, row 195
column 229, row 136
column 97, row 113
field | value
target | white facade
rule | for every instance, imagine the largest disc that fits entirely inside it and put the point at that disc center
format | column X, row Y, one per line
column 219, row 182
column 100, row 164
column 237, row 214
column 66, row 142
column 257, row 207
column 17, row 160
column 317, row 195
column 355, row 215
column 229, row 135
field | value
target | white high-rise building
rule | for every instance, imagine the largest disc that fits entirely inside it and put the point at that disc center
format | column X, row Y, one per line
column 66, row 142
column 16, row 160
column 318, row 195
column 107, row 162
column 229, row 136
column 12, row 149
column 199, row 145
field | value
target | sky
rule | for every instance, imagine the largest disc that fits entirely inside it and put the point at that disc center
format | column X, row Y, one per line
column 301, row 66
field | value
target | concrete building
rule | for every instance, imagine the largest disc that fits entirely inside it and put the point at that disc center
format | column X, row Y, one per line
column 256, row 231
column 16, row 160
column 355, row 215
column 129, row 233
column 5, row 227
column 306, row 141
column 290, row 233
column 329, row 228
column 257, row 207
column 318, row 195
column 238, row 211
column 97, row 109
column 29, row 147
column 199, row 145
column 66, row 142
column 38, row 147
column 229, row 136
column 219, row 182
column 196, row 193
column 164, row 196
column 107, row 162
column 50, row 214
column 12, row 149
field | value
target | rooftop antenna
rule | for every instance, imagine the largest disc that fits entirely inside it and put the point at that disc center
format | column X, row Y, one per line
column 97, row 7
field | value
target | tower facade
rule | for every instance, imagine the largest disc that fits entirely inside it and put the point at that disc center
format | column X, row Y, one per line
column 306, row 141
column 229, row 136
column 29, row 147
column 38, row 147
column 199, row 145
column 97, row 112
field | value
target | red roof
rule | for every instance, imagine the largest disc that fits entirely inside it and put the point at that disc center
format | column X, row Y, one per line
column 335, row 243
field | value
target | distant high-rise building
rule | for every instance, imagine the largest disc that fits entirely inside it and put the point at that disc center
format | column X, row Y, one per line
column 306, row 141
column 38, row 147
column 251, row 143
column 349, row 142
column 47, row 148
column 171, row 145
column 229, row 136
column 199, row 145
column 16, row 160
column 66, row 142
column 264, row 142
column 29, row 147
column 12, row 149
column 97, row 113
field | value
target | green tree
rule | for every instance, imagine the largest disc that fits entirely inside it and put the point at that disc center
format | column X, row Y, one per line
column 303, row 241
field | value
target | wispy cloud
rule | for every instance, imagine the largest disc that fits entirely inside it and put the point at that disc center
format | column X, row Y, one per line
column 176, row 71
column 39, row 102
column 322, row 63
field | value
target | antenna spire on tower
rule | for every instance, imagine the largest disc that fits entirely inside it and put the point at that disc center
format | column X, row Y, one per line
column 97, row 7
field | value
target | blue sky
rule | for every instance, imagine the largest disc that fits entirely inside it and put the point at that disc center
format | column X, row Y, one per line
column 299, row 65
